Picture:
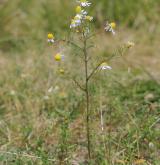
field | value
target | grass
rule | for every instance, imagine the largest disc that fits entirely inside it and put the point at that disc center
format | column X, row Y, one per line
column 34, row 19
column 38, row 130
column 44, row 125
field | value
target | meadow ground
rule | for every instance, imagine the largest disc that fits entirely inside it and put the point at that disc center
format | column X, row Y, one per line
column 42, row 111
column 31, row 116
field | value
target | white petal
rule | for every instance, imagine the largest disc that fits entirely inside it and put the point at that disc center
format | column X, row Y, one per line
column 106, row 67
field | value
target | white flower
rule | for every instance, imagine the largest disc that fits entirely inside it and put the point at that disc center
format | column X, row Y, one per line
column 105, row 66
column 84, row 3
column 110, row 27
column 50, row 38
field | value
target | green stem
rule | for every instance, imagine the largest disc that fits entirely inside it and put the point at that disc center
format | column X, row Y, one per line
column 87, row 98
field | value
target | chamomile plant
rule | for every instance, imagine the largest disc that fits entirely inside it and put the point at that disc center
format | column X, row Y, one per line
column 82, row 27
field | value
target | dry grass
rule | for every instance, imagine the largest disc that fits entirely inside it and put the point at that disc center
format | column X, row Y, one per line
column 32, row 125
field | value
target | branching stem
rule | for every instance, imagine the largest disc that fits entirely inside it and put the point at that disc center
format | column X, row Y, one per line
column 98, row 65
column 79, row 85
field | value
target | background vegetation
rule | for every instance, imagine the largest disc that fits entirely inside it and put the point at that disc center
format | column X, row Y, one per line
column 42, row 126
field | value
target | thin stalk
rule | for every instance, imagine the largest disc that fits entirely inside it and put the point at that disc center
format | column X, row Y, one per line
column 101, row 118
column 87, row 97
column 109, row 141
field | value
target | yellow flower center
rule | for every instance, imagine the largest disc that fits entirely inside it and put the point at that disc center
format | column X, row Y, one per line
column 78, row 9
column 58, row 57
column 50, row 36
column 113, row 25
column 104, row 64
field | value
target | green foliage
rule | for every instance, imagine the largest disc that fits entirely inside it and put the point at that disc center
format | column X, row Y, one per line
column 133, row 13
column 27, row 22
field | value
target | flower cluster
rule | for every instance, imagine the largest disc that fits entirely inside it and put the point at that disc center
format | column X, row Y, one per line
column 81, row 15
column 80, row 23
